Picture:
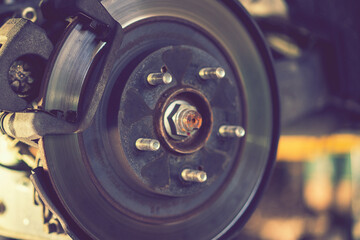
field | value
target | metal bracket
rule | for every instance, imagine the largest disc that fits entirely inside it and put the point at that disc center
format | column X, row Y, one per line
column 18, row 38
column 90, row 11
column 28, row 126
column 108, row 30
column 33, row 125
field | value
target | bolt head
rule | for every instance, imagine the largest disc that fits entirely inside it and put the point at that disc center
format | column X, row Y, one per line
column 167, row 78
column 220, row 73
column 184, row 119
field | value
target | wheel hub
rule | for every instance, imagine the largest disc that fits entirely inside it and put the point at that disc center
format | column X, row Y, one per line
column 185, row 120
column 182, row 119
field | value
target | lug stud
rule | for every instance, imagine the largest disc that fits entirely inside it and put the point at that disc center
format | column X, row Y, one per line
column 190, row 175
column 159, row 78
column 145, row 144
column 212, row 73
column 231, row 131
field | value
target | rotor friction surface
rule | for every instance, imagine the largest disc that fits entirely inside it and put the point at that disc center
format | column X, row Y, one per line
column 72, row 176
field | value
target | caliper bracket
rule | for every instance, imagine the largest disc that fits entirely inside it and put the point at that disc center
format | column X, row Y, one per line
column 91, row 11
column 18, row 38
column 28, row 126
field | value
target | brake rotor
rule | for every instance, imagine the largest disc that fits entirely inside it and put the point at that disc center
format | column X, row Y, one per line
column 114, row 187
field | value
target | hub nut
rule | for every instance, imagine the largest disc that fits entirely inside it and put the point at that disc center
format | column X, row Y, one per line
column 182, row 120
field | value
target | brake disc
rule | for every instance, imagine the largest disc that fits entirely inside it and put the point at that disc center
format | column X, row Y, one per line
column 136, row 173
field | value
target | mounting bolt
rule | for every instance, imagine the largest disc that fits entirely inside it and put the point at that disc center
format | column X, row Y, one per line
column 212, row 73
column 231, row 131
column 21, row 77
column 145, row 144
column 29, row 13
column 188, row 120
column 190, row 175
column 159, row 78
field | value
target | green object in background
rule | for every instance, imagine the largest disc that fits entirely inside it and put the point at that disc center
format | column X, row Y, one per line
column 355, row 167
column 318, row 183
column 328, row 190
column 342, row 166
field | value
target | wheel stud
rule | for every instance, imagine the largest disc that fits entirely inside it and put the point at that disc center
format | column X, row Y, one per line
column 212, row 73
column 145, row 144
column 231, row 131
column 159, row 78
column 190, row 175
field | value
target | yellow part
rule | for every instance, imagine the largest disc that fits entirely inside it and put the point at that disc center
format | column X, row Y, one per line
column 303, row 148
